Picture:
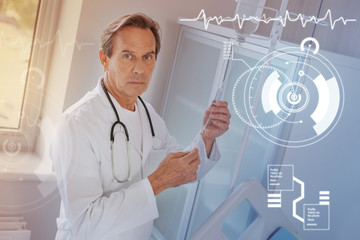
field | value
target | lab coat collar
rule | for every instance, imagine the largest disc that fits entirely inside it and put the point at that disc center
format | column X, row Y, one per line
column 100, row 91
column 147, row 136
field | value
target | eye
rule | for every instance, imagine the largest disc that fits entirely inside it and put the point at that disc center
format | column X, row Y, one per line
column 127, row 56
column 148, row 57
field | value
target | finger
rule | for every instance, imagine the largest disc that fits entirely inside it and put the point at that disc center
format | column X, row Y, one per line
column 217, row 110
column 195, row 162
column 221, row 104
column 208, row 112
column 195, row 151
column 217, row 121
column 192, row 156
column 220, row 117
column 194, row 176
column 220, row 110
column 221, row 125
column 178, row 154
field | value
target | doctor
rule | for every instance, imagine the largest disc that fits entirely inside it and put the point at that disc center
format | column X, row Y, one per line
column 112, row 152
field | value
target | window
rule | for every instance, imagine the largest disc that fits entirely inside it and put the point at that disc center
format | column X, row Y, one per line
column 17, row 25
column 27, row 33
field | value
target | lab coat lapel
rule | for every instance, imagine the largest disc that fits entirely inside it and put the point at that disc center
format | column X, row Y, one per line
column 147, row 137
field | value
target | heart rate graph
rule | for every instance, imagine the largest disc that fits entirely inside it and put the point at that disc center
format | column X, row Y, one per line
column 25, row 44
column 328, row 19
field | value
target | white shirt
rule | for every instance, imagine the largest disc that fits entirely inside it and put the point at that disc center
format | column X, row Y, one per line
column 132, row 121
column 93, row 205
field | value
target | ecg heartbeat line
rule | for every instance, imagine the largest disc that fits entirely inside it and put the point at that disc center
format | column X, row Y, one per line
column 26, row 43
column 283, row 20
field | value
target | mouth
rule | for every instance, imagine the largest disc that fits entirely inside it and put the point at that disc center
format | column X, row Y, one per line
column 137, row 83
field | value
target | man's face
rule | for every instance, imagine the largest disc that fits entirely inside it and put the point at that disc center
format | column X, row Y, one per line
column 130, row 67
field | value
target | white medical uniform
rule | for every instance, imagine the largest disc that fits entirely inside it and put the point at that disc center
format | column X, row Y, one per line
column 93, row 205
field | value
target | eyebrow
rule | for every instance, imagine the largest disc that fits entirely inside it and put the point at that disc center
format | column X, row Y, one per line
column 152, row 52
column 132, row 52
column 127, row 51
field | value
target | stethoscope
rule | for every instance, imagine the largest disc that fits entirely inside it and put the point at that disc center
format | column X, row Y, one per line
column 112, row 135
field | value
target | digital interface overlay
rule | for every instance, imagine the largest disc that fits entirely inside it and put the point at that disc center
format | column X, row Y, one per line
column 311, row 93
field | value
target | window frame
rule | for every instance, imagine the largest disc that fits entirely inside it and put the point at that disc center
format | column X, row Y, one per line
column 45, row 35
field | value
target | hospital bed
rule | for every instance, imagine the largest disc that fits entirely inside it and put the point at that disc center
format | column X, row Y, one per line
column 270, row 223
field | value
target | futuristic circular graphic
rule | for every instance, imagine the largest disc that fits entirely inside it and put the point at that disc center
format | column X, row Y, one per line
column 255, row 73
column 293, row 97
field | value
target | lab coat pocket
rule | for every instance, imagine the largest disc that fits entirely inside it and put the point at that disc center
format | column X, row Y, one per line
column 153, row 160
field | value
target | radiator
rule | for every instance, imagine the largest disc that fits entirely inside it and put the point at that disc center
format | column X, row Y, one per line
column 13, row 228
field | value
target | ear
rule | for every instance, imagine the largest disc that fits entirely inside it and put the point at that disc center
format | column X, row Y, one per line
column 103, row 59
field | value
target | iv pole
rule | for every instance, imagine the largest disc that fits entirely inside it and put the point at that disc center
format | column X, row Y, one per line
column 274, row 36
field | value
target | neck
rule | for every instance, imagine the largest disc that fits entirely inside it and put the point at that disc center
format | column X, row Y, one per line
column 126, row 102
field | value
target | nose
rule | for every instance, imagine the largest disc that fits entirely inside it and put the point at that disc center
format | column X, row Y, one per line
column 138, row 67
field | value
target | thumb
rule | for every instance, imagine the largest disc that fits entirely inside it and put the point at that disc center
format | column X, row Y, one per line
column 178, row 154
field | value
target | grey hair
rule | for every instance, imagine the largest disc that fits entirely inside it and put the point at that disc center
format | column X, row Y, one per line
column 137, row 20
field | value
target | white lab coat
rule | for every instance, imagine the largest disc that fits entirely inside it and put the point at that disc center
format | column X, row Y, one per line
column 93, row 205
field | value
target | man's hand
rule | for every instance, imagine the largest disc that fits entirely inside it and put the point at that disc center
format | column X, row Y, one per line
column 176, row 169
column 216, row 121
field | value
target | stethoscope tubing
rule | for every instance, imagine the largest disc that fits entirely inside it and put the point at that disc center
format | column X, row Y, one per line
column 112, row 135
